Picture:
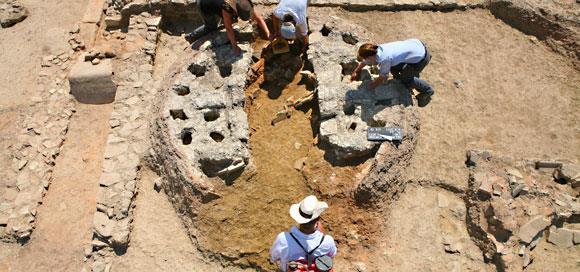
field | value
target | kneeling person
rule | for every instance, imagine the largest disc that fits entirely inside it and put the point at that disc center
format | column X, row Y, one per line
column 404, row 59
column 290, row 21
column 306, row 243
column 213, row 11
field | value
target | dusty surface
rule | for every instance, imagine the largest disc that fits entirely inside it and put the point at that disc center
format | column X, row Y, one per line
column 23, row 45
column 495, row 88
column 419, row 225
column 159, row 241
column 513, row 93
column 65, row 218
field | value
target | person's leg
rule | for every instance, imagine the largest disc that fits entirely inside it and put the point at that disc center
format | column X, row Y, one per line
column 210, row 21
column 410, row 73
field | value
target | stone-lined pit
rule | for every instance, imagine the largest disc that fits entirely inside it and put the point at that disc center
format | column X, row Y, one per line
column 205, row 153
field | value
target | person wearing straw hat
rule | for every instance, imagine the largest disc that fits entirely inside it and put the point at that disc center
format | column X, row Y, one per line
column 305, row 243
column 289, row 21
column 214, row 11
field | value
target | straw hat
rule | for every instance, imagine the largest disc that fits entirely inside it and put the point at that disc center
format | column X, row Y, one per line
column 307, row 210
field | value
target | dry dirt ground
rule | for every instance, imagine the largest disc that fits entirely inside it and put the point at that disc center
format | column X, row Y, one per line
column 496, row 89
column 23, row 45
column 515, row 96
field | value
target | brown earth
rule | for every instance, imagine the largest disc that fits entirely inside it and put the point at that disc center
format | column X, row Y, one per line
column 496, row 89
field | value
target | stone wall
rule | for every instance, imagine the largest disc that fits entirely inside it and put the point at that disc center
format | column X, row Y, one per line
column 127, row 142
column 203, row 96
column 42, row 127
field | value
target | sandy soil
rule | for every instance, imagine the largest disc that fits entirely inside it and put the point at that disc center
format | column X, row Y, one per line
column 23, row 45
column 418, row 225
column 64, row 221
column 516, row 96
column 159, row 241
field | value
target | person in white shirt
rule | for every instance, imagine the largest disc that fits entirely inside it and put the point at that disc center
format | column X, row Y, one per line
column 290, row 21
column 306, row 242
column 404, row 59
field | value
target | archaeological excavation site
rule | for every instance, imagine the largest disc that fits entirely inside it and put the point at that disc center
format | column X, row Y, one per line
column 128, row 144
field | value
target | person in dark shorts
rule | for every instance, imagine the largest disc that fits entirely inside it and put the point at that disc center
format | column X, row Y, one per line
column 404, row 59
column 226, row 11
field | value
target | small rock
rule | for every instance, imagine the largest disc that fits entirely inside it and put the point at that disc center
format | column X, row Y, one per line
column 569, row 173
column 98, row 266
column 88, row 251
column 359, row 266
column 442, row 200
column 96, row 61
column 299, row 164
column 158, row 183
column 477, row 156
column 457, row 83
column 297, row 145
column 528, row 259
column 515, row 173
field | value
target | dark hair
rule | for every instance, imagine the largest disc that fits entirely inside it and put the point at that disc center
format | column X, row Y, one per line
column 311, row 223
column 367, row 50
column 288, row 18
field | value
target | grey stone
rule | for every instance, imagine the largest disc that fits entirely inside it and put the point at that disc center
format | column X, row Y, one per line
column 532, row 228
column 103, row 225
column 561, row 237
column 11, row 13
column 92, row 84
column 570, row 173
column 477, row 156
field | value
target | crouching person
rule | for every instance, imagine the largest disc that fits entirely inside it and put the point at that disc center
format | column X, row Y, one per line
column 290, row 21
column 304, row 248
column 214, row 11
column 404, row 59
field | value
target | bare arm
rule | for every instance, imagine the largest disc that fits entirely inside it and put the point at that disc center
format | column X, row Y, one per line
column 377, row 81
column 356, row 71
column 228, row 23
column 261, row 23
column 276, row 26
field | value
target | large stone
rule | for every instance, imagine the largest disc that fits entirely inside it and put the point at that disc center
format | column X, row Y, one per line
column 561, row 237
column 93, row 84
column 11, row 13
column 531, row 229
column 103, row 225
column 570, row 173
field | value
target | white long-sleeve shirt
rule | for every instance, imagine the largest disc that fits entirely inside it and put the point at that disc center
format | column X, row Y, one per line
column 285, row 249
column 394, row 53
column 297, row 9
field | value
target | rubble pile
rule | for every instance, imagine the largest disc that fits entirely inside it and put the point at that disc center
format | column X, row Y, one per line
column 12, row 12
column 513, row 206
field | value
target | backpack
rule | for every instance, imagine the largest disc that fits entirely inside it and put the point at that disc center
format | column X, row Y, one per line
column 309, row 257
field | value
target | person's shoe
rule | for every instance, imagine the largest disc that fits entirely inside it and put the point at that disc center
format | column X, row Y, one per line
column 424, row 98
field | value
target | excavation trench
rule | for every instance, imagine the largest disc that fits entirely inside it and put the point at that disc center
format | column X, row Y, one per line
column 242, row 224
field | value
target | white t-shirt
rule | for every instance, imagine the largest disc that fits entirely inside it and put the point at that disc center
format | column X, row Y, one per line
column 393, row 53
column 285, row 249
column 296, row 8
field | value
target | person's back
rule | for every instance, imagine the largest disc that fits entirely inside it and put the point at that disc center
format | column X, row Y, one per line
column 305, row 243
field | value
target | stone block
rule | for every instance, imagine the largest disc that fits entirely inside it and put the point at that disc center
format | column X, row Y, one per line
column 529, row 230
column 561, row 237
column 92, row 84
column 103, row 225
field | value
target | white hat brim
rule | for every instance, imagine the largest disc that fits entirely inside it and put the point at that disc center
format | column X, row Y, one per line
column 295, row 213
